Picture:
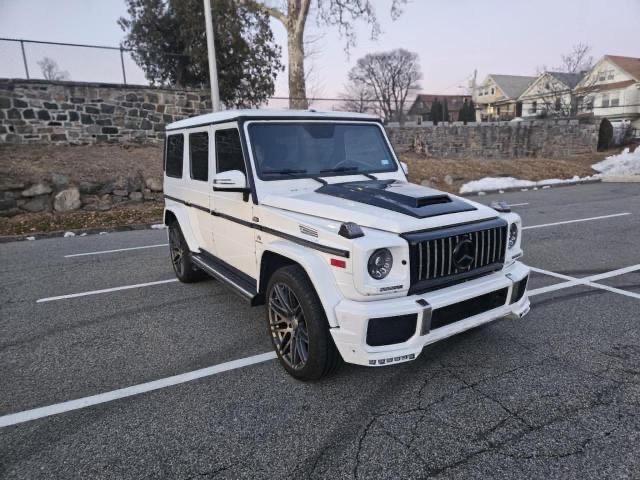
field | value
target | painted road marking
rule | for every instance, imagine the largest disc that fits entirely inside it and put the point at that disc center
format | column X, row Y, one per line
column 517, row 204
column 116, row 250
column 104, row 290
column 28, row 415
column 576, row 221
column 586, row 281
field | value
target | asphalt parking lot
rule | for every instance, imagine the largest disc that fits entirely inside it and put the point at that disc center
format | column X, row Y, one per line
column 553, row 395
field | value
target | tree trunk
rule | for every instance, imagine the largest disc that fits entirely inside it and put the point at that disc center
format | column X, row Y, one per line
column 297, row 88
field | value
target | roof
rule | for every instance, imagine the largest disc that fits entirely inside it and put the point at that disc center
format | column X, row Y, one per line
column 631, row 65
column 512, row 85
column 454, row 102
column 603, row 87
column 569, row 79
column 230, row 115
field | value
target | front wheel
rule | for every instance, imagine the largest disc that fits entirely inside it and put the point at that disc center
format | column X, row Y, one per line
column 298, row 326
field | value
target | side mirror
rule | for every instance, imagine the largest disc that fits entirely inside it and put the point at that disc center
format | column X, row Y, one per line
column 405, row 168
column 233, row 180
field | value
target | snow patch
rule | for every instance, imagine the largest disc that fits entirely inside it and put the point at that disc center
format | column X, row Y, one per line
column 502, row 183
column 69, row 234
column 623, row 164
column 159, row 226
column 31, row 238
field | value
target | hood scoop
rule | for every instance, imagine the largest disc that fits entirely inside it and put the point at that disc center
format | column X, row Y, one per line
column 397, row 197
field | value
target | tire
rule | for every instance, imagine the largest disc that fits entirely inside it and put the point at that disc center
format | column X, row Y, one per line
column 293, row 310
column 183, row 266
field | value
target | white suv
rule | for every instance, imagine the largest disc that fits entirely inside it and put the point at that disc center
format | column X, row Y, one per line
column 311, row 214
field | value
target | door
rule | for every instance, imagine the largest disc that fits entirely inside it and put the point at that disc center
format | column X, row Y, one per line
column 197, row 181
column 234, row 240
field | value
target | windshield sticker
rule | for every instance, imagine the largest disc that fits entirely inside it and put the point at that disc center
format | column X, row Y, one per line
column 384, row 161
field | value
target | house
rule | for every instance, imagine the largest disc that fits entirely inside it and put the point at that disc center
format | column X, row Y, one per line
column 612, row 90
column 551, row 94
column 497, row 97
column 421, row 108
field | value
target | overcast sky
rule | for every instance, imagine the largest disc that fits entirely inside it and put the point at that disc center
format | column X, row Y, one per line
column 452, row 38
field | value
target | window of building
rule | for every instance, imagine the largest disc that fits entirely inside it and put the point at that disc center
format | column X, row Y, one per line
column 615, row 101
column 558, row 104
column 534, row 107
column 229, row 151
column 605, row 100
column 602, row 76
column 199, row 155
column 174, row 153
column 493, row 90
column 610, row 75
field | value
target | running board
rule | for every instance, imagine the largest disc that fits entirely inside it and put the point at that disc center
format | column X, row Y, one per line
column 240, row 283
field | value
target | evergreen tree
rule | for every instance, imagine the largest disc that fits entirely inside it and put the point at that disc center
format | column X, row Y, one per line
column 248, row 57
column 436, row 111
column 445, row 111
column 463, row 115
column 471, row 112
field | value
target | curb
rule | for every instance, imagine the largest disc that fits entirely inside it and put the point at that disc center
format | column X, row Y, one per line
column 534, row 187
column 78, row 232
column 624, row 179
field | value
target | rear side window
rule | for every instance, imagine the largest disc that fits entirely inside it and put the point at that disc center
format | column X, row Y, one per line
column 175, row 149
column 199, row 155
column 229, row 151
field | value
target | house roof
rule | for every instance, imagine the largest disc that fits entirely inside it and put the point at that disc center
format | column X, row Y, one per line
column 423, row 102
column 631, row 65
column 512, row 85
column 230, row 115
column 603, row 87
column 569, row 79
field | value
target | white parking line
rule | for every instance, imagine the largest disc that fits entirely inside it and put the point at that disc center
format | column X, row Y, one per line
column 586, row 281
column 517, row 204
column 116, row 250
column 104, row 290
column 576, row 221
column 28, row 415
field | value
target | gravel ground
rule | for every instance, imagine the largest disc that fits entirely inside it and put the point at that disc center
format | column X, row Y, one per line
column 553, row 395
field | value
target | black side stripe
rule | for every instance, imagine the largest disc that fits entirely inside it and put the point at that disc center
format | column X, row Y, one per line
column 292, row 238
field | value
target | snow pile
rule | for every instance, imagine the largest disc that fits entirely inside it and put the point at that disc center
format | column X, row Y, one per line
column 502, row 183
column 69, row 234
column 623, row 164
column 159, row 226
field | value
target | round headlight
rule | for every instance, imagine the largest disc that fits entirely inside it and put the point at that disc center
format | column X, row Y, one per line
column 380, row 263
column 513, row 234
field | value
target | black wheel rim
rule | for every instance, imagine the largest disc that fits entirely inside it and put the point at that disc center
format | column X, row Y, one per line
column 288, row 326
column 177, row 252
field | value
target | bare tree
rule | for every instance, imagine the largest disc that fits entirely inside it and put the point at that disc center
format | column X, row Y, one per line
column 339, row 13
column 390, row 76
column 578, row 60
column 357, row 97
column 50, row 70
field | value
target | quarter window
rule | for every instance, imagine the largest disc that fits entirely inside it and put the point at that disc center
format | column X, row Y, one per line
column 175, row 149
column 229, row 151
column 199, row 155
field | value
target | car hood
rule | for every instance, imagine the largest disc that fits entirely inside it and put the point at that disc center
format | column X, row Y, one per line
column 384, row 205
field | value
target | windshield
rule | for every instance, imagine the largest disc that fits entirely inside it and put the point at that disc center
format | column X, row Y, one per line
column 318, row 149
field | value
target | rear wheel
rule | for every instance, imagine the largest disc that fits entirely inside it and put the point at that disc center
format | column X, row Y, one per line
column 298, row 326
column 183, row 266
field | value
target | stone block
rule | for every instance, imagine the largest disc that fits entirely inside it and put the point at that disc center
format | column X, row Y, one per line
column 50, row 106
column 67, row 200
column 44, row 115
column 37, row 189
column 36, row 204
column 19, row 103
column 5, row 102
column 13, row 113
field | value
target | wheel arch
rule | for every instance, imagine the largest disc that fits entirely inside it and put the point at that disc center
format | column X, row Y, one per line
column 178, row 213
column 281, row 253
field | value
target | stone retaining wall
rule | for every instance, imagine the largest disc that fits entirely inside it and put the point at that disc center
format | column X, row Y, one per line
column 39, row 111
column 500, row 140
column 58, row 194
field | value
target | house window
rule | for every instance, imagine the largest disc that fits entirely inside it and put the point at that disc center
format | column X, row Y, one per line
column 174, row 151
column 602, row 76
column 558, row 104
column 610, row 75
column 547, row 86
column 199, row 155
column 605, row 100
column 588, row 105
column 229, row 151
column 493, row 90
column 615, row 102
column 534, row 107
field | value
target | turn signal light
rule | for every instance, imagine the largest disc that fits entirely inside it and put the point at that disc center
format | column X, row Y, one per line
column 336, row 262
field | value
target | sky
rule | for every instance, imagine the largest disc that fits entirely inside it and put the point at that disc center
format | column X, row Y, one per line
column 452, row 38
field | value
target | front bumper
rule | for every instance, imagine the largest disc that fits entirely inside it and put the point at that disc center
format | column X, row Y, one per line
column 353, row 317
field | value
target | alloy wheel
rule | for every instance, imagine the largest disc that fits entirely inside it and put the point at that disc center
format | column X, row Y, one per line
column 288, row 326
column 177, row 252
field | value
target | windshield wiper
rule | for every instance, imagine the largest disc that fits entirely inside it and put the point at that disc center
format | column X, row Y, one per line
column 284, row 171
column 340, row 169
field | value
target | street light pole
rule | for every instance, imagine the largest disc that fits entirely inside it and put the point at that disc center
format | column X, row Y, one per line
column 211, row 48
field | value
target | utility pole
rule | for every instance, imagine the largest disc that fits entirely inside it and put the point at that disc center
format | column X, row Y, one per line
column 211, row 48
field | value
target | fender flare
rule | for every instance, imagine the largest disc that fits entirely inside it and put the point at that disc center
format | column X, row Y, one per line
column 181, row 214
column 318, row 271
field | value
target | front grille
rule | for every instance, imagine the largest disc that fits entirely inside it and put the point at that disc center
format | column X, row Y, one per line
column 453, row 254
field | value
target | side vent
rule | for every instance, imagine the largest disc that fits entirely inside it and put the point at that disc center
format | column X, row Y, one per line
column 435, row 200
column 308, row 231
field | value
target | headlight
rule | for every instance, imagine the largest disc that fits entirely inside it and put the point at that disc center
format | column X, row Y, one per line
column 513, row 234
column 380, row 263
